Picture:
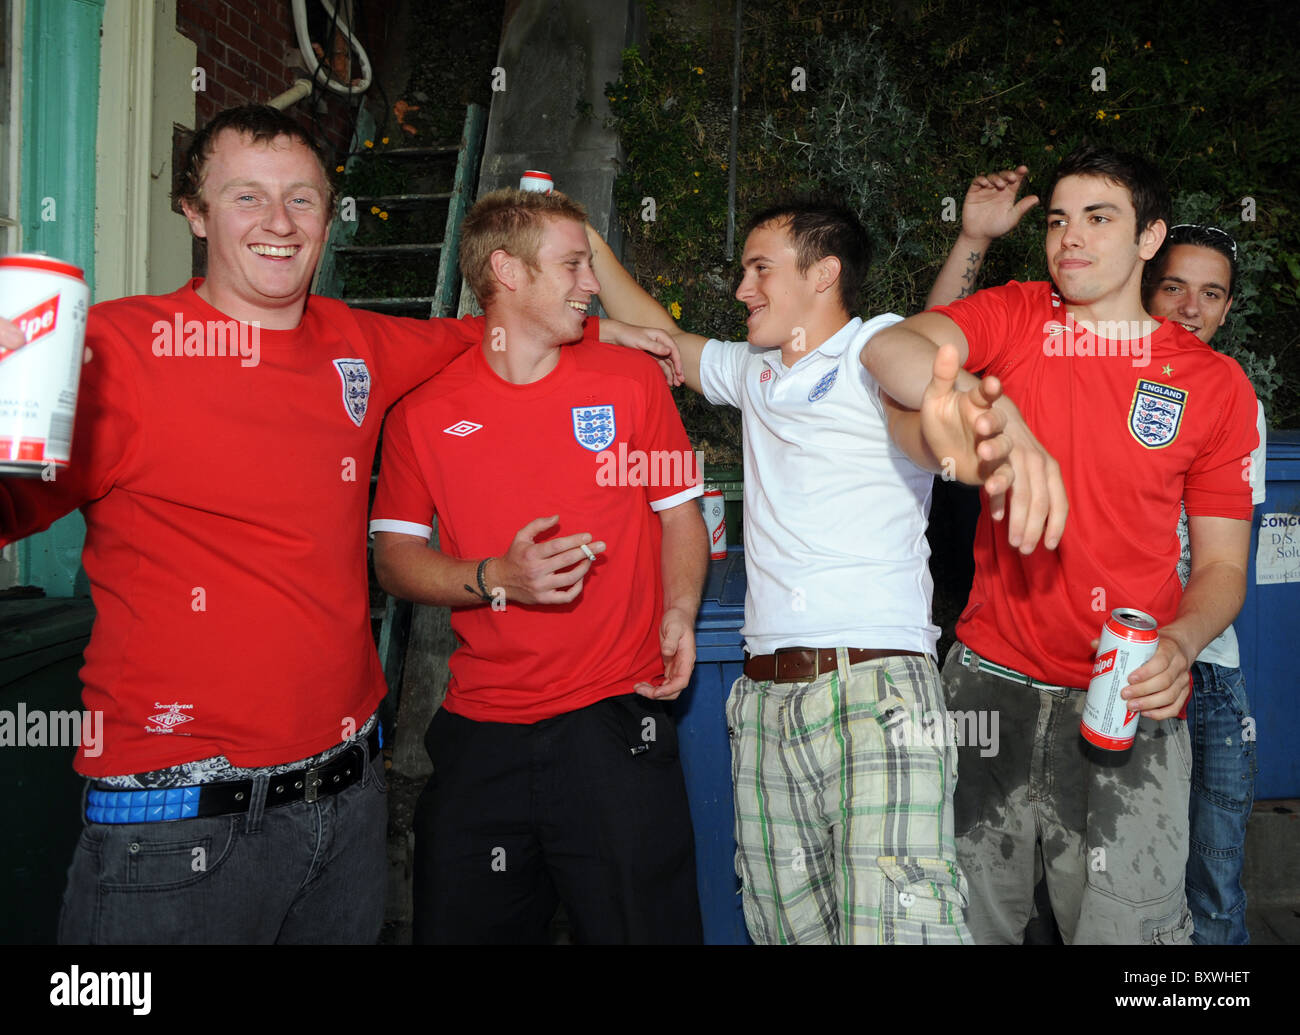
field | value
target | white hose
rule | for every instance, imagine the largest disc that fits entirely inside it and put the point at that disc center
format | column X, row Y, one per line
column 318, row 72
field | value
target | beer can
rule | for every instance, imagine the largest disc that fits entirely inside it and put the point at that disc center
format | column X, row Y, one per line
column 1128, row 640
column 715, row 520
column 48, row 300
column 536, row 181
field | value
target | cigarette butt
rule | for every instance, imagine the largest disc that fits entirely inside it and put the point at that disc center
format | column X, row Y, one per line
column 585, row 549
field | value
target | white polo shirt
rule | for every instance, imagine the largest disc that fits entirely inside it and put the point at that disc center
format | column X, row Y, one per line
column 835, row 512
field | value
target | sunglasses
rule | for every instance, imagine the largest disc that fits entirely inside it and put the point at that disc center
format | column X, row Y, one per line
column 1209, row 230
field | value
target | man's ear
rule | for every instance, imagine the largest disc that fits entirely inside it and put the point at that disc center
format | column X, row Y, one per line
column 827, row 272
column 1150, row 240
column 195, row 217
column 507, row 269
column 1226, row 309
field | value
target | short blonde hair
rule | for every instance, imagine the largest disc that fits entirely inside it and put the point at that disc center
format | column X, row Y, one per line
column 512, row 221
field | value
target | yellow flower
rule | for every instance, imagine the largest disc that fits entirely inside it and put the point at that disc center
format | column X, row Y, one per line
column 698, row 70
column 1114, row 118
column 383, row 215
column 383, row 140
column 1100, row 114
column 696, row 190
column 374, row 210
column 676, row 310
column 1209, row 150
column 695, row 174
column 338, row 168
column 1146, row 45
column 370, row 143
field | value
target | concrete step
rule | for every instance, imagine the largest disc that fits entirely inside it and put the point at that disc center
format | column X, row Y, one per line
column 1271, row 872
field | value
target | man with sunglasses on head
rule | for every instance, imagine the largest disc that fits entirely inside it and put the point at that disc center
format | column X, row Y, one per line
column 1190, row 281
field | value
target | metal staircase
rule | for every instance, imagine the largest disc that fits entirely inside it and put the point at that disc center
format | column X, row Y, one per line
column 362, row 255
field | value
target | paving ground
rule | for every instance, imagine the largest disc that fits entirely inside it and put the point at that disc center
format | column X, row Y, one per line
column 1272, row 873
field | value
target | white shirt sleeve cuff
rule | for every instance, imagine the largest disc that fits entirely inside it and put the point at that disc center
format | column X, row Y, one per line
column 668, row 502
column 425, row 532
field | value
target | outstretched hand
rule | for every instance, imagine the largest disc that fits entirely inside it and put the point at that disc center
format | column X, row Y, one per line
column 962, row 428
column 980, row 445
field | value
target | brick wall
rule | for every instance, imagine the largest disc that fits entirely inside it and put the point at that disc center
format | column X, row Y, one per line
column 247, row 50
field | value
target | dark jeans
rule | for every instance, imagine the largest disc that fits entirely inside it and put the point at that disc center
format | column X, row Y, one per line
column 1223, row 789
column 588, row 808
column 295, row 874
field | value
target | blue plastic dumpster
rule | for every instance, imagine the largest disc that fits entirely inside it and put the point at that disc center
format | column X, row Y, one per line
column 1270, row 620
column 706, row 750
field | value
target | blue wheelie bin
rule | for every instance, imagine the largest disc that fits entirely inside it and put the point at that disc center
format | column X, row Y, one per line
column 706, row 749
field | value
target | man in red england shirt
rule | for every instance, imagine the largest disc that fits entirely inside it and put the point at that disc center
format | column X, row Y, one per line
column 237, row 795
column 566, row 496
column 1140, row 415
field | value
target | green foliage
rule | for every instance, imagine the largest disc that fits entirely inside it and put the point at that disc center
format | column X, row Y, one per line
column 895, row 119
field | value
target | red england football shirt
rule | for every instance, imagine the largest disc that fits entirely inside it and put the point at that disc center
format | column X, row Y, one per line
column 1136, row 427
column 597, row 441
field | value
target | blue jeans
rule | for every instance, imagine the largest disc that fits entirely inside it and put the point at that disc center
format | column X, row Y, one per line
column 1223, row 789
column 306, row 873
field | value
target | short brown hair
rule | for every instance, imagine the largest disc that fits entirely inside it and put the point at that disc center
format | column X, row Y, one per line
column 511, row 221
column 818, row 229
column 263, row 124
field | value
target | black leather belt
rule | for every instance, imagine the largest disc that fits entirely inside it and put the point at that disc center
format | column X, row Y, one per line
column 309, row 783
column 801, row 664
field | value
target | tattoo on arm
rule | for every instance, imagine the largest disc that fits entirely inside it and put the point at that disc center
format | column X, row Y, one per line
column 973, row 262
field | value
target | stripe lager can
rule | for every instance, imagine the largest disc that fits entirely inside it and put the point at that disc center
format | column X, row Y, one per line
column 536, row 180
column 48, row 300
column 1128, row 640
column 715, row 520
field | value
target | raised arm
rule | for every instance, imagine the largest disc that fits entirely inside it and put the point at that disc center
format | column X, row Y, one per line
column 628, row 302
column 989, row 211
column 901, row 358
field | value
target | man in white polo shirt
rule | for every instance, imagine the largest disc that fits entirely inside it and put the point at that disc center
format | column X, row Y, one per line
column 842, row 767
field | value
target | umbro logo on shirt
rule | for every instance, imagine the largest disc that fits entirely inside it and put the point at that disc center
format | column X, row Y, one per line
column 765, row 376
column 462, row 428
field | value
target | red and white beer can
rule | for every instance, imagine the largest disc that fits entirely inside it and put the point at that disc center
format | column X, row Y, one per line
column 534, row 180
column 715, row 520
column 48, row 300
column 1128, row 640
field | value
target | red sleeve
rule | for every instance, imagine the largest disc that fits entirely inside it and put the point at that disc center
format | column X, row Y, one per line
column 990, row 320
column 663, row 438
column 403, row 497
column 1218, row 482
column 105, row 437
column 409, row 351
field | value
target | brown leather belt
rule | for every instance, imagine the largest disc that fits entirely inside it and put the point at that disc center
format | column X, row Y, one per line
column 801, row 664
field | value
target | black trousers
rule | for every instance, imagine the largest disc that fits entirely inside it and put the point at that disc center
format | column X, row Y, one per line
column 588, row 808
